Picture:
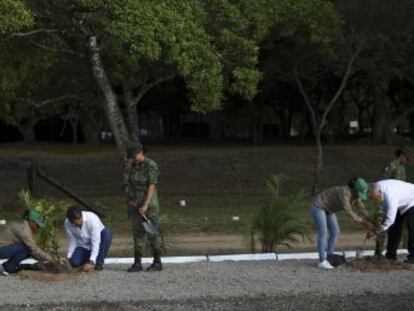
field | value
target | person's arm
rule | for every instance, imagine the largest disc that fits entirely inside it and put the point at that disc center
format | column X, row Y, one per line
column 364, row 211
column 390, row 207
column 351, row 212
column 152, row 187
column 27, row 239
column 95, row 232
column 71, row 239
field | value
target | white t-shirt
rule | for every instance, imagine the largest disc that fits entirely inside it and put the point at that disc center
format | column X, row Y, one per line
column 89, row 236
column 398, row 198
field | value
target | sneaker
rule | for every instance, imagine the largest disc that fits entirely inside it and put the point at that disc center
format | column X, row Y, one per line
column 325, row 265
column 136, row 267
column 3, row 272
column 156, row 266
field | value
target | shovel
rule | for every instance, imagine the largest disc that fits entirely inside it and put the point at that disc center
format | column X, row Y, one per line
column 149, row 227
column 360, row 250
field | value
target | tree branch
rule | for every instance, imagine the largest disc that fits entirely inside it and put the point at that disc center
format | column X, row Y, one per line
column 56, row 99
column 66, row 51
column 345, row 78
column 33, row 32
column 306, row 98
column 149, row 86
column 402, row 115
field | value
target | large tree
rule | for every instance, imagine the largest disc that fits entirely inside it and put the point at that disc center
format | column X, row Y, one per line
column 132, row 46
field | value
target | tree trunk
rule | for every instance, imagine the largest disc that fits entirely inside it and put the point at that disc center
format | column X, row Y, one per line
column 27, row 131
column 113, row 112
column 382, row 131
column 411, row 118
column 74, row 122
column 216, row 126
column 92, row 128
column 132, row 114
column 319, row 160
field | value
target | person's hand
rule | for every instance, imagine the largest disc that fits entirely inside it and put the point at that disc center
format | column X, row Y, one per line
column 142, row 210
column 370, row 234
column 88, row 267
column 369, row 225
column 54, row 262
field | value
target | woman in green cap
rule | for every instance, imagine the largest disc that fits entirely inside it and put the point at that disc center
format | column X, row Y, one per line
column 17, row 243
column 323, row 208
column 143, row 206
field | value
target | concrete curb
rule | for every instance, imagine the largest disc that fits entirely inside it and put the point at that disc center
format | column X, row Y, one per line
column 223, row 258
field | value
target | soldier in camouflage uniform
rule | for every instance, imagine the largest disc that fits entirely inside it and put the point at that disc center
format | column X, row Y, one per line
column 396, row 168
column 143, row 201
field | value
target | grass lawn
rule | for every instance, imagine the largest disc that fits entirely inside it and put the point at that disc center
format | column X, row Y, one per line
column 217, row 182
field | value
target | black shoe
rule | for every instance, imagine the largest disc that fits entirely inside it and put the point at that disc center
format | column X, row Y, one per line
column 98, row 267
column 136, row 267
column 156, row 266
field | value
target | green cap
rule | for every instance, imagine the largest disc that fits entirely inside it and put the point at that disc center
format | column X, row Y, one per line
column 133, row 149
column 361, row 188
column 35, row 217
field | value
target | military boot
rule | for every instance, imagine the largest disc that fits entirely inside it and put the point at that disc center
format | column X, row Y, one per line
column 137, row 266
column 156, row 265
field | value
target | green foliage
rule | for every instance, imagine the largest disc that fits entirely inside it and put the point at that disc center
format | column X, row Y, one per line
column 279, row 221
column 53, row 215
column 14, row 16
column 171, row 32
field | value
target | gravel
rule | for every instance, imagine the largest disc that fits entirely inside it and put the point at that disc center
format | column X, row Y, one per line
column 287, row 285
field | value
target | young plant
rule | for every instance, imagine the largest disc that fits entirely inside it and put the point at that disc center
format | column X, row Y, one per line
column 53, row 215
column 279, row 222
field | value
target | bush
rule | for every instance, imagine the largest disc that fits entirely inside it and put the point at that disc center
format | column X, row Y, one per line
column 279, row 222
column 53, row 215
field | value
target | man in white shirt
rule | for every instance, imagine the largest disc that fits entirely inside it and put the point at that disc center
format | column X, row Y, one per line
column 397, row 199
column 88, row 239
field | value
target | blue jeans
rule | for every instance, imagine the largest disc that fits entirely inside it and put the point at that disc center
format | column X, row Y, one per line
column 81, row 255
column 15, row 254
column 325, row 224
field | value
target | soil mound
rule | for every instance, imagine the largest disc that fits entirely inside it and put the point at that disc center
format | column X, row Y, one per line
column 373, row 264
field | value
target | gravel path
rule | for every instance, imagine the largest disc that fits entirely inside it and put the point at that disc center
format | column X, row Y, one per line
column 215, row 286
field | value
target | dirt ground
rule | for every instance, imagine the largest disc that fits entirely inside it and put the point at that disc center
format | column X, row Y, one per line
column 49, row 277
column 372, row 264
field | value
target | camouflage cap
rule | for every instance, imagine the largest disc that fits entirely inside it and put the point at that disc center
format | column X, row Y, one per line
column 133, row 149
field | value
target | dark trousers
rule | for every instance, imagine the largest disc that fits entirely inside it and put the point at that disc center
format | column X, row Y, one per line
column 395, row 234
column 81, row 255
column 15, row 254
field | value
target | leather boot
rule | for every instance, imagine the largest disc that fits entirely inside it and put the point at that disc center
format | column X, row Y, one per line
column 156, row 265
column 137, row 266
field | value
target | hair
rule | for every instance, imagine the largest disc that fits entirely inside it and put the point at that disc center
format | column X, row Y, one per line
column 399, row 152
column 351, row 182
column 374, row 187
column 73, row 213
column 26, row 214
